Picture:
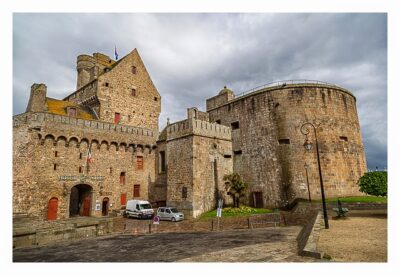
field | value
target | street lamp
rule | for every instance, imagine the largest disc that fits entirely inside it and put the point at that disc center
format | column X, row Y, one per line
column 308, row 185
column 305, row 130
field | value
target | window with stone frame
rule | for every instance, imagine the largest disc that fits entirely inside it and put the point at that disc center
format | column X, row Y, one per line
column 71, row 111
column 122, row 178
column 133, row 92
column 117, row 118
column 184, row 192
column 139, row 162
column 134, row 70
column 162, row 162
column 136, row 190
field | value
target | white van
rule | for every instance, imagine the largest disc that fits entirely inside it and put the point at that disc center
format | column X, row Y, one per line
column 138, row 209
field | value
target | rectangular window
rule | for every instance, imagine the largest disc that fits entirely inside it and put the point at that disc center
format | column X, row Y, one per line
column 117, row 118
column 227, row 156
column 139, row 162
column 123, row 199
column 80, row 155
column 162, row 162
column 237, row 152
column 133, row 69
column 136, row 190
column 107, row 84
column 56, row 154
column 284, row 141
column 218, row 121
column 133, row 92
column 80, row 169
column 184, row 192
column 155, row 99
column 122, row 178
column 343, row 138
column 235, row 125
column 55, row 167
column 71, row 112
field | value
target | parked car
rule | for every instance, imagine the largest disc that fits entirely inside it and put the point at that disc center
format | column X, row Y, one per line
column 138, row 209
column 170, row 214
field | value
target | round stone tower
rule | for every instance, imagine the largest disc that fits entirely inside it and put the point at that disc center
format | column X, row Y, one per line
column 268, row 144
column 84, row 66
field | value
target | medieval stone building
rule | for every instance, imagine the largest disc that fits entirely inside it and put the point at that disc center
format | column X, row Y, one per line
column 100, row 146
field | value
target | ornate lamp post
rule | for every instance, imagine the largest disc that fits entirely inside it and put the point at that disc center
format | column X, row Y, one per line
column 305, row 130
column 308, row 185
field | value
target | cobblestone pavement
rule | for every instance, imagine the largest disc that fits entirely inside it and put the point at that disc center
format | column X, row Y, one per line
column 257, row 245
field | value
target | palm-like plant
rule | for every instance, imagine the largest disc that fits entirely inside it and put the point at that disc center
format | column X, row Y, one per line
column 237, row 187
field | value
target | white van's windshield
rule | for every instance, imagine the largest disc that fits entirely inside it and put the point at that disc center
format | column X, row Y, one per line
column 145, row 206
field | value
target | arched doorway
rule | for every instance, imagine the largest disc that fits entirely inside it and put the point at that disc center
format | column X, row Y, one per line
column 104, row 209
column 52, row 209
column 80, row 200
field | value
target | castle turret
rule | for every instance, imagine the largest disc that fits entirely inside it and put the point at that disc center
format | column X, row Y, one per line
column 223, row 97
column 84, row 66
column 37, row 99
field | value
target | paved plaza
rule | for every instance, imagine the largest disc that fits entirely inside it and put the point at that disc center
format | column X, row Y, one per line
column 257, row 245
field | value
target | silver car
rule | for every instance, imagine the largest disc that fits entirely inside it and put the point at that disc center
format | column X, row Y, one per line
column 169, row 214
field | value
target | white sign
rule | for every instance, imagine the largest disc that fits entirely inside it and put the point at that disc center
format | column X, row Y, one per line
column 156, row 220
column 97, row 206
column 219, row 212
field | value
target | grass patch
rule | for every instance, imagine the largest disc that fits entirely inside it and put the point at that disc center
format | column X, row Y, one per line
column 357, row 199
column 327, row 257
column 235, row 212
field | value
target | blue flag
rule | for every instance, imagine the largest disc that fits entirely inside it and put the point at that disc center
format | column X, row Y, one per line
column 115, row 53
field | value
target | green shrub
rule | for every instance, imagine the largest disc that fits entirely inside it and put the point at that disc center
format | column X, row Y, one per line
column 374, row 183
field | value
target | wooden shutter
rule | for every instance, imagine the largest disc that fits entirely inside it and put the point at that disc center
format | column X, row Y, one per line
column 117, row 117
column 139, row 162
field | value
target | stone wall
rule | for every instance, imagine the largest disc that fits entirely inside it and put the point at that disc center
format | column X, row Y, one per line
column 140, row 108
column 269, row 145
column 198, row 155
column 50, row 154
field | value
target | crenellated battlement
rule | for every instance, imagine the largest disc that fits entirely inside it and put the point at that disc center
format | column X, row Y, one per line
column 77, row 126
column 198, row 127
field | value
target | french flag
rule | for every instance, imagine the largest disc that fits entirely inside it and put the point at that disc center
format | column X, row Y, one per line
column 115, row 53
column 89, row 155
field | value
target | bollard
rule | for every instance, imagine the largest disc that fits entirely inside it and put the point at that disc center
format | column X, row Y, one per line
column 248, row 223
column 149, row 228
column 212, row 225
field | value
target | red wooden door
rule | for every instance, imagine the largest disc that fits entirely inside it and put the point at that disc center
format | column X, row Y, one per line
column 52, row 209
column 86, row 207
column 123, row 199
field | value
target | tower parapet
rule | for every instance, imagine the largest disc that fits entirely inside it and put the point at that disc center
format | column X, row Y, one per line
column 37, row 99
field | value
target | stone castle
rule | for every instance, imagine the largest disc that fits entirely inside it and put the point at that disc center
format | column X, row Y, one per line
column 100, row 146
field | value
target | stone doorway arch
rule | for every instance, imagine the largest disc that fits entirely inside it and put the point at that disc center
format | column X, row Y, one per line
column 80, row 200
column 105, row 206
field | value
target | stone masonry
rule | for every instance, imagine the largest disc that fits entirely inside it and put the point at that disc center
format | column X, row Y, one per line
column 268, row 145
column 87, row 154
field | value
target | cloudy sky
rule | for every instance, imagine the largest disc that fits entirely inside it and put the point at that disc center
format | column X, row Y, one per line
column 190, row 57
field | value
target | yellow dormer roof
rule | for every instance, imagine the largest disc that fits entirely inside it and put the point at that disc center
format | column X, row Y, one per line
column 60, row 107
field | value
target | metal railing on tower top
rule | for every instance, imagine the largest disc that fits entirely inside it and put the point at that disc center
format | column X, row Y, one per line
column 284, row 83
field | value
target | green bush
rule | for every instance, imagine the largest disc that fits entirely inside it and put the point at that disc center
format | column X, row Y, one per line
column 374, row 183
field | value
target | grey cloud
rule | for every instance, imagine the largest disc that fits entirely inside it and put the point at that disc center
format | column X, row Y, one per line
column 190, row 57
